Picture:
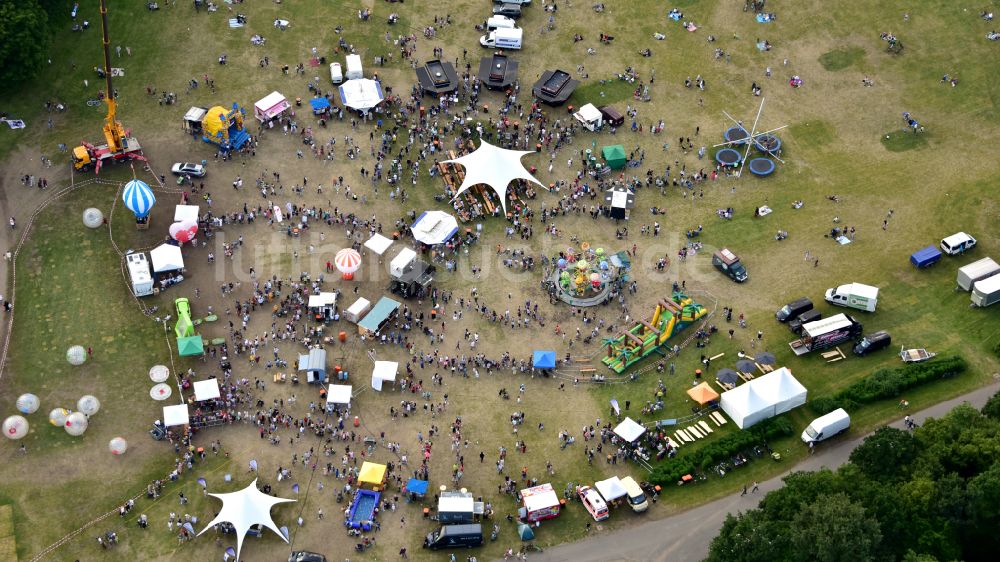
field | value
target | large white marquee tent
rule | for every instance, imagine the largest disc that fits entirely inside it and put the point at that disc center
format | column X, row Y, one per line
column 763, row 397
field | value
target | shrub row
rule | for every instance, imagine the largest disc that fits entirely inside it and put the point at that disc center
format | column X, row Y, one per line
column 889, row 383
column 670, row 471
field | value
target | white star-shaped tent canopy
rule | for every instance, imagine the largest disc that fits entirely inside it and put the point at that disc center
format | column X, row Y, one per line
column 244, row 509
column 495, row 167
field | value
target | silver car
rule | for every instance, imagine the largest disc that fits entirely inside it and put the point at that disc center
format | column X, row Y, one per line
column 188, row 169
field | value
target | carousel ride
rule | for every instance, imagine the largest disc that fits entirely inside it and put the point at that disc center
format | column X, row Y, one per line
column 586, row 277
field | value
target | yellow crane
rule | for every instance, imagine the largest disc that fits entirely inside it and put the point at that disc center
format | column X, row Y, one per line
column 119, row 145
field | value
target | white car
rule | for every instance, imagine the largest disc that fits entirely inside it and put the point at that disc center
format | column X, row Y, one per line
column 188, row 169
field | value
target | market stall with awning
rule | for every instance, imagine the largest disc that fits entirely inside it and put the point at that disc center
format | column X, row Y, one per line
column 186, row 213
column 361, row 94
column 610, row 489
column 175, row 415
column 541, row 359
column 383, row 372
column 270, row 106
column 629, row 430
column 434, row 227
column 378, row 244
column 207, row 389
column 372, row 476
column 339, row 393
column 166, row 257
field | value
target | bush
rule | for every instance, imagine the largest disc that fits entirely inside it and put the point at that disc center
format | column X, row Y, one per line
column 996, row 349
column 724, row 449
column 888, row 383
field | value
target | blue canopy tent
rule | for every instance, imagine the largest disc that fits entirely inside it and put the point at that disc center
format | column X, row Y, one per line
column 543, row 360
column 319, row 105
column 415, row 488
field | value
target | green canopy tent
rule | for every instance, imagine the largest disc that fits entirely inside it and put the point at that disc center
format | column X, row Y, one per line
column 190, row 346
column 614, row 155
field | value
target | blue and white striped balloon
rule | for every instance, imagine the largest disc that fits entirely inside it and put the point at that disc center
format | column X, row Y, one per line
column 138, row 197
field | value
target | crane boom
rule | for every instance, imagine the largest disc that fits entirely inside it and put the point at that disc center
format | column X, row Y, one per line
column 113, row 131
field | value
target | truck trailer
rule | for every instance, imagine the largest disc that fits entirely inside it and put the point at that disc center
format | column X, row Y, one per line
column 826, row 333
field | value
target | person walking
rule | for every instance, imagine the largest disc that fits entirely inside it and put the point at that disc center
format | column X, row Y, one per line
column 755, row 487
column 744, row 491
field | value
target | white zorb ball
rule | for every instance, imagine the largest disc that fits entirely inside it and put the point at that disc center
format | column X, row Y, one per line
column 76, row 423
column 76, row 355
column 118, row 446
column 15, row 427
column 27, row 403
column 58, row 417
column 93, row 218
column 89, row 405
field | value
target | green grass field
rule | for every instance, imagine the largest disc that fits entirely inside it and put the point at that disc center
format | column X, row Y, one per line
column 841, row 138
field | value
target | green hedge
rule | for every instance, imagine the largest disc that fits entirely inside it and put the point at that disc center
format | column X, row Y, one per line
column 889, row 383
column 996, row 349
column 670, row 471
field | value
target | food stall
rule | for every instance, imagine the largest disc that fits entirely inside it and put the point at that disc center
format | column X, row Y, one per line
column 538, row 503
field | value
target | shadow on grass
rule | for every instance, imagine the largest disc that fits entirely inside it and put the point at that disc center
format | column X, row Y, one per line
column 812, row 133
column 611, row 91
column 839, row 59
column 901, row 141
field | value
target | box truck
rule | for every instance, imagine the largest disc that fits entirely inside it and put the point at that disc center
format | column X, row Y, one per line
column 826, row 333
column 854, row 295
column 503, row 38
column 986, row 292
column 825, row 427
column 976, row 271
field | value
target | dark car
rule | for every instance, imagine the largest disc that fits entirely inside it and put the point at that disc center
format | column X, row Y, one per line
column 306, row 556
column 509, row 10
column 873, row 342
column 793, row 309
column 806, row 317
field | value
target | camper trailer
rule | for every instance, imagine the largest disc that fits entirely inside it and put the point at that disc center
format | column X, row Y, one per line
column 139, row 273
column 986, row 292
column 976, row 271
column 354, row 70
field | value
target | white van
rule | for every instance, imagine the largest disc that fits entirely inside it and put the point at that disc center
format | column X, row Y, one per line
column 593, row 502
column 957, row 243
column 825, row 427
column 499, row 22
column 636, row 497
column 336, row 74
column 503, row 38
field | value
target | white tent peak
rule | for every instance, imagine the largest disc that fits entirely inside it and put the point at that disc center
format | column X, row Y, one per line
column 493, row 166
column 244, row 509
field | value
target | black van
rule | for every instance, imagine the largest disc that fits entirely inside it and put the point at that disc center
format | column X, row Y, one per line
column 873, row 342
column 793, row 309
column 455, row 536
column 806, row 317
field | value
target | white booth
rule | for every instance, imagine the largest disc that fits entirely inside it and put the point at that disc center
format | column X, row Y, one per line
column 270, row 106
column 175, row 415
column 138, row 271
column 166, row 258
column 323, row 306
column 339, row 394
column 207, row 389
column 378, row 244
column 358, row 310
column 186, row 213
column 354, row 70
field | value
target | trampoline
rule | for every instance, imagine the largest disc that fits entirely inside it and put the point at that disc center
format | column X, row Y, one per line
column 761, row 167
column 767, row 143
column 736, row 135
column 362, row 511
column 728, row 157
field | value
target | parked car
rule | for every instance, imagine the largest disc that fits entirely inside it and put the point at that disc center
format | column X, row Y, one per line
column 873, row 342
column 455, row 536
column 508, row 10
column 793, row 309
column 802, row 319
column 306, row 556
column 188, row 169
column 957, row 243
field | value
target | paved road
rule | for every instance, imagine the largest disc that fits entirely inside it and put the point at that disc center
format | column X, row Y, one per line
column 686, row 536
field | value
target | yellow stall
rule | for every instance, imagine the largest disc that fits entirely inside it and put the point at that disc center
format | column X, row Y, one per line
column 372, row 476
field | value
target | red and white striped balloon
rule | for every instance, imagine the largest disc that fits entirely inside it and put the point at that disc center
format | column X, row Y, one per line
column 348, row 261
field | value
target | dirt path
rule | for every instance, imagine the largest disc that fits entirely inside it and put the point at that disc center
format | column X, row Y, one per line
column 686, row 536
